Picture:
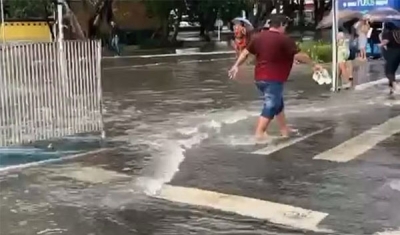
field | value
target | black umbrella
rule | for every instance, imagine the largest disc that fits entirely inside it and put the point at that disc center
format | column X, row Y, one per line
column 343, row 16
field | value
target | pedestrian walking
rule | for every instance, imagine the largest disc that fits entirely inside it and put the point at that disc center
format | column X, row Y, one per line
column 391, row 47
column 343, row 44
column 362, row 31
column 241, row 36
column 114, row 38
column 275, row 53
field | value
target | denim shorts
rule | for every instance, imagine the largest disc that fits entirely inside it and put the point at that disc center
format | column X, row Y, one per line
column 273, row 98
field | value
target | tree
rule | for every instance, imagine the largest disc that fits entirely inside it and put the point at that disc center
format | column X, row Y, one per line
column 162, row 11
column 27, row 9
column 320, row 7
column 206, row 12
column 101, row 14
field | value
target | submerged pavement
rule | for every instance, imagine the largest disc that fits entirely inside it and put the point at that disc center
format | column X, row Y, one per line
column 186, row 162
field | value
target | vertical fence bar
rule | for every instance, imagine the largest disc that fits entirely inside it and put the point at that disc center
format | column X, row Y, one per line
column 13, row 93
column 92, row 81
column 19, row 92
column 31, row 96
column 79, row 86
column 37, row 91
column 86, row 127
column 3, row 95
column 57, row 87
column 100, row 90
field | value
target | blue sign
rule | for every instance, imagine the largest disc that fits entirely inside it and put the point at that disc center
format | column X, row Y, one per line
column 367, row 5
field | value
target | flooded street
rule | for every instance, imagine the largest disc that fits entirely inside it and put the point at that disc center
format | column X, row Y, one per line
column 184, row 137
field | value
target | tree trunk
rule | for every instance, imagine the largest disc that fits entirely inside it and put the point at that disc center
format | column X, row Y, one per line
column 319, row 11
column 316, row 18
column 176, row 25
column 328, row 5
column 277, row 6
column 301, row 16
column 47, row 13
column 94, row 20
column 202, row 25
column 164, row 30
column 287, row 8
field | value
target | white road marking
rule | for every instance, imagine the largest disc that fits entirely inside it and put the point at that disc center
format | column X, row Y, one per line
column 172, row 55
column 389, row 233
column 367, row 85
column 274, row 148
column 295, row 217
column 158, row 64
column 360, row 144
column 93, row 175
column 49, row 161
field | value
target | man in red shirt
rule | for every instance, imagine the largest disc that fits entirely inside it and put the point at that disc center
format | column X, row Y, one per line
column 275, row 53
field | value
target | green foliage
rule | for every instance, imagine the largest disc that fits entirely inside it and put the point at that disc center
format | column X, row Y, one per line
column 161, row 8
column 27, row 9
column 318, row 50
column 225, row 10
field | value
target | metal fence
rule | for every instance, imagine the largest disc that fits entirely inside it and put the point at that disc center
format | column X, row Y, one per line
column 47, row 92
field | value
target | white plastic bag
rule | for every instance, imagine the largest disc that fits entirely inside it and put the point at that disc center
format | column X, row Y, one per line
column 322, row 77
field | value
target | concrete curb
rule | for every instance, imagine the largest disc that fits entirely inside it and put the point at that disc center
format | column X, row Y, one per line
column 49, row 161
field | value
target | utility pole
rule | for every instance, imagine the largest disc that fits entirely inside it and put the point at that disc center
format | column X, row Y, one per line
column 335, row 26
column 3, row 25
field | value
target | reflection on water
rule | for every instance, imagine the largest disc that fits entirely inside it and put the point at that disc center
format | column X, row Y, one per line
column 47, row 150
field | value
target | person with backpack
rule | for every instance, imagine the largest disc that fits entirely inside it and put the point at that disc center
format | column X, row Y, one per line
column 391, row 49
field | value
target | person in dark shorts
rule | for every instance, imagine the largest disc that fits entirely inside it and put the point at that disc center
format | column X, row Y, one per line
column 350, row 31
column 391, row 46
column 275, row 53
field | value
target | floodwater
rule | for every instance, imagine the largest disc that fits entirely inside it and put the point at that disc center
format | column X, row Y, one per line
column 162, row 110
column 158, row 111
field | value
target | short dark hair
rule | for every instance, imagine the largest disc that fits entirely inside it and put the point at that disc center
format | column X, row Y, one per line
column 278, row 20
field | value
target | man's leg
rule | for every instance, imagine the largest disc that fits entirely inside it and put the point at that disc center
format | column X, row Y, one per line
column 395, row 87
column 390, row 70
column 262, row 126
column 371, row 45
column 350, row 69
column 281, row 118
column 117, row 49
column 112, row 44
column 268, row 112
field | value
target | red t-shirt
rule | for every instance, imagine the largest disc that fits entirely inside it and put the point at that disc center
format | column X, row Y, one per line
column 274, row 53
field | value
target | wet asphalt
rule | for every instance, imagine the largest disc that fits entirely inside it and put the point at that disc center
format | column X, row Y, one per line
column 181, row 121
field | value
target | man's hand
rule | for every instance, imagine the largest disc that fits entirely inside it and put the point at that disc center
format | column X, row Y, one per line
column 235, row 68
column 233, row 72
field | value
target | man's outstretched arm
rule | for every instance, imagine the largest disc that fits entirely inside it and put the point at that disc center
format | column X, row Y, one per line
column 242, row 58
column 235, row 68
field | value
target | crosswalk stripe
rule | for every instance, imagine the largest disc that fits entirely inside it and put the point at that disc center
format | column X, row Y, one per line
column 389, row 233
column 294, row 217
column 360, row 144
column 89, row 174
column 274, row 148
